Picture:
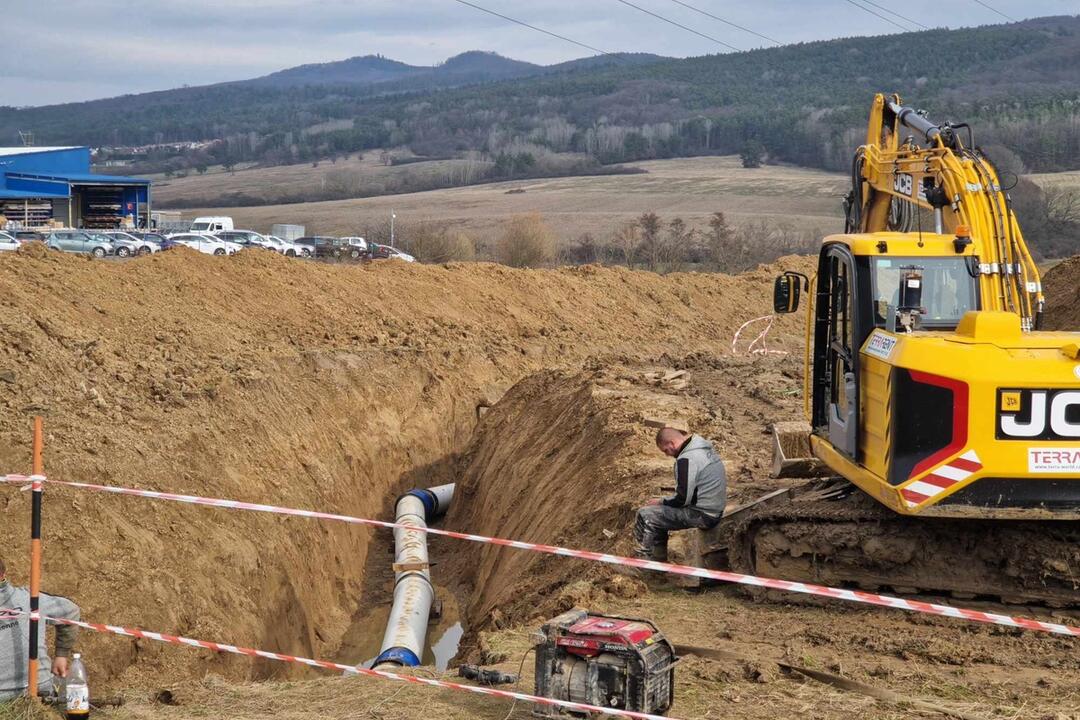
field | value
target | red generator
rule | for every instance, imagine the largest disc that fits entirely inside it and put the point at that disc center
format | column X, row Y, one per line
column 606, row 661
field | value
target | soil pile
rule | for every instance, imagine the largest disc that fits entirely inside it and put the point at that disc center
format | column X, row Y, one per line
column 303, row 384
column 1062, row 289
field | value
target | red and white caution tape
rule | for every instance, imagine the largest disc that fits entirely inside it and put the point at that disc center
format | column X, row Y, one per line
column 327, row 665
column 753, row 348
column 720, row 575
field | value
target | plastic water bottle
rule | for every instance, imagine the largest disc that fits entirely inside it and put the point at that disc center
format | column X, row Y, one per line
column 78, row 690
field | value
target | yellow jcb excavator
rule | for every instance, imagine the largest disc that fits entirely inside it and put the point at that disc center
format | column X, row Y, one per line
column 928, row 387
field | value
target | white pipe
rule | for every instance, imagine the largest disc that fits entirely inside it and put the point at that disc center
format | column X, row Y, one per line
column 406, row 630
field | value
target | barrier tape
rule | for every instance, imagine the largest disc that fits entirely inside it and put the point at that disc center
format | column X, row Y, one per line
column 751, row 349
column 328, row 665
column 858, row 596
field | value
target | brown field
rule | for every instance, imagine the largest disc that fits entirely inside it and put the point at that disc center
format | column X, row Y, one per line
column 691, row 188
column 360, row 174
column 1069, row 180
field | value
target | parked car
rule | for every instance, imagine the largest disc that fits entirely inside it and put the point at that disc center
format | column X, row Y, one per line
column 127, row 244
column 29, row 236
column 357, row 242
column 8, row 241
column 207, row 244
column 289, row 248
column 332, row 247
column 248, row 238
column 157, row 238
column 77, row 241
column 385, row 252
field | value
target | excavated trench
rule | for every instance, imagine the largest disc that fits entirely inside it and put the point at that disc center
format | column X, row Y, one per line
column 297, row 384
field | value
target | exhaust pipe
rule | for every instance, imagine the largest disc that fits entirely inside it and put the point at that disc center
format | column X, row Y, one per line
column 406, row 630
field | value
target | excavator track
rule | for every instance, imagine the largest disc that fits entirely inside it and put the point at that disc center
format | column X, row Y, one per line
column 830, row 533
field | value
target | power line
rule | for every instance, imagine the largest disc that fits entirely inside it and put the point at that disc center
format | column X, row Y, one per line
column 916, row 23
column 726, row 22
column 678, row 25
column 533, row 27
column 992, row 9
column 878, row 15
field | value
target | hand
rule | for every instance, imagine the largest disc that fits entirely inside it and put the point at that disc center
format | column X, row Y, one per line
column 655, row 501
column 60, row 667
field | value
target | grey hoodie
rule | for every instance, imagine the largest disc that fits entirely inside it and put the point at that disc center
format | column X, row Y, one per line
column 700, row 478
column 15, row 636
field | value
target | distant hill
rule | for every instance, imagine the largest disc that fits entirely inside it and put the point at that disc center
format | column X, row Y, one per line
column 806, row 103
column 469, row 67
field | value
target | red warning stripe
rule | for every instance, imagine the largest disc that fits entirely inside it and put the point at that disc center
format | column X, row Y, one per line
column 720, row 575
column 328, row 665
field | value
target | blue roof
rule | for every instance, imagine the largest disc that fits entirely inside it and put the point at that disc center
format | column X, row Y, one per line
column 24, row 195
column 81, row 178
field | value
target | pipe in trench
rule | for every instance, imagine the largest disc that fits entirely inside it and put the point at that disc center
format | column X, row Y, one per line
column 406, row 630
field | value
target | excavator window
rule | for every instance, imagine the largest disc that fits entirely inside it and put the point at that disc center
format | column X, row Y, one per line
column 949, row 290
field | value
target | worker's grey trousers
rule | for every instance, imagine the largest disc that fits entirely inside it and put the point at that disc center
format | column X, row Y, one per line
column 654, row 522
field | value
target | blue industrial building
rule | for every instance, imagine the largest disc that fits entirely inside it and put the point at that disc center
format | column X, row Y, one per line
column 45, row 185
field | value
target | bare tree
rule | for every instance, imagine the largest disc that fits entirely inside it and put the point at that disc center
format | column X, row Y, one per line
column 675, row 251
column 627, row 241
column 718, row 241
column 651, row 242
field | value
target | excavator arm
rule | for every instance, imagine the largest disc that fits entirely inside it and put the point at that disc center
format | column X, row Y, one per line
column 908, row 165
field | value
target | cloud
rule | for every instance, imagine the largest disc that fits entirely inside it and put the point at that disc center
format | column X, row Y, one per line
column 64, row 50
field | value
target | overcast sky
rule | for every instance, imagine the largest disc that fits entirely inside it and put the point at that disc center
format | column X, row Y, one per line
column 63, row 50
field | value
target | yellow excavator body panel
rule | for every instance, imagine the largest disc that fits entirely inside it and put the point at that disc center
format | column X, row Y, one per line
column 1007, row 408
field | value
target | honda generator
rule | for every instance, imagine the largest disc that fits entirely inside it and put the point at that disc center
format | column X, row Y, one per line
column 606, row 661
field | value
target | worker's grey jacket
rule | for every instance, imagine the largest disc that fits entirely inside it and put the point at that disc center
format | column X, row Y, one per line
column 700, row 478
column 15, row 637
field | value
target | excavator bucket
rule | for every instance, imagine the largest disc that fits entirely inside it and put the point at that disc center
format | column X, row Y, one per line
column 792, row 456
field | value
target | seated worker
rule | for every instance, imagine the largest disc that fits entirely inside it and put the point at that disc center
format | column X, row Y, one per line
column 15, row 636
column 700, row 493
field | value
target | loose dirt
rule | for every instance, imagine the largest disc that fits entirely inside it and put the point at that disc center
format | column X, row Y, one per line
column 1061, row 285
column 336, row 387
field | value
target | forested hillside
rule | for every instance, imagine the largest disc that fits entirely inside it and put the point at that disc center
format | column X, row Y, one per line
column 1017, row 84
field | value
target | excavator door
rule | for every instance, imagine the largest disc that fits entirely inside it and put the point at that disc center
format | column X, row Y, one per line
column 836, row 399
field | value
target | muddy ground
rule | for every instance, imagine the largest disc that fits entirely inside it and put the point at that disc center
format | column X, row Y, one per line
column 337, row 387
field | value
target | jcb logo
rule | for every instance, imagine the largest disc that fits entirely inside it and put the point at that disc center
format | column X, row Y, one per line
column 903, row 184
column 1038, row 414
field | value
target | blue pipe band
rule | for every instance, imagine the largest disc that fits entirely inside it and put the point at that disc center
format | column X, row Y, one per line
column 431, row 503
column 399, row 655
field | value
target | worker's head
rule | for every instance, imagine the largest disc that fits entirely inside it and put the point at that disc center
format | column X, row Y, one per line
column 669, row 440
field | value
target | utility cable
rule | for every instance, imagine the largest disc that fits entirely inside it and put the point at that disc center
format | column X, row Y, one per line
column 726, row 22
column 916, row 23
column 676, row 24
column 879, row 15
column 533, row 27
column 993, row 9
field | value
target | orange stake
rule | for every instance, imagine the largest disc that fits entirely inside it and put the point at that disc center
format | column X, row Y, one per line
column 35, row 558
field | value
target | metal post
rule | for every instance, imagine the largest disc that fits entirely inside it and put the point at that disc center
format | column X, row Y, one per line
column 392, row 217
column 35, row 556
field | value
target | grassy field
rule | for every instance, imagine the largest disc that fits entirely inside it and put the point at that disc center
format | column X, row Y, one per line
column 691, row 188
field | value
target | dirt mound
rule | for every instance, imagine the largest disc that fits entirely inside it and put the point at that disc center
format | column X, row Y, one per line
column 1062, row 289
column 574, row 450
column 296, row 383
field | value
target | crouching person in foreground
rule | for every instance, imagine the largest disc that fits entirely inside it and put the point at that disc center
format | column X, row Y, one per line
column 15, row 637
column 700, row 493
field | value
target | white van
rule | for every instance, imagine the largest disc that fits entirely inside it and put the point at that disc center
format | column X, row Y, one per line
column 211, row 225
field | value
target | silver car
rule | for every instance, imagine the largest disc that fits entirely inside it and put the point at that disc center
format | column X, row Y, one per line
column 127, row 245
column 77, row 241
